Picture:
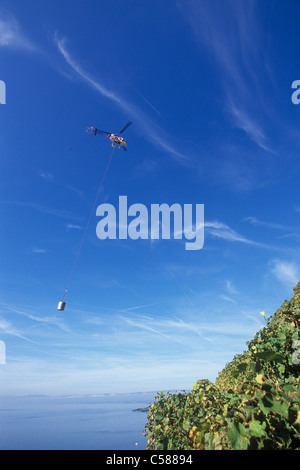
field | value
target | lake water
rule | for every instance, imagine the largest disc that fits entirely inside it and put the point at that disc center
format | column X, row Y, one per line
column 102, row 422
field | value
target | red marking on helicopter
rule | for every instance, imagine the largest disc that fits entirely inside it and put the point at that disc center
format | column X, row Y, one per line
column 116, row 140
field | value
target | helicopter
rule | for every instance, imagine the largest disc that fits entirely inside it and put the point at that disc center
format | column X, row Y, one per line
column 116, row 140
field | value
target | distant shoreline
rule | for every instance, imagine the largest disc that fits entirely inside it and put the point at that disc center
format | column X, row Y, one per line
column 143, row 410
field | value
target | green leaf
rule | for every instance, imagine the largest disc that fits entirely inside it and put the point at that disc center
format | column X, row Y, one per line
column 239, row 369
column 265, row 405
column 255, row 367
column 186, row 424
column 243, row 430
column 234, row 436
column 281, row 408
column 163, row 445
column 270, row 355
column 257, row 428
column 289, row 388
column 259, row 379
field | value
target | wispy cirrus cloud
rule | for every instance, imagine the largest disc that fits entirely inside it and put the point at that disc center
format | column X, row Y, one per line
column 220, row 230
column 46, row 175
column 37, row 250
column 287, row 272
column 223, row 231
column 241, row 119
column 147, row 101
column 29, row 315
column 62, row 47
column 261, row 223
column 231, row 32
column 187, row 332
column 7, row 328
column 73, row 227
column 291, row 232
column 150, row 129
column 11, row 35
column 231, row 287
column 143, row 324
column 41, row 208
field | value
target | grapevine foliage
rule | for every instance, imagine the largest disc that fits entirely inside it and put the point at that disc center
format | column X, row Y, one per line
column 253, row 404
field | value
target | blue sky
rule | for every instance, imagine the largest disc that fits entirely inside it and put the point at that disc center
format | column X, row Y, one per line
column 208, row 88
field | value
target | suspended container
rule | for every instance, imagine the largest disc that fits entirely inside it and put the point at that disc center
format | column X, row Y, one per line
column 61, row 305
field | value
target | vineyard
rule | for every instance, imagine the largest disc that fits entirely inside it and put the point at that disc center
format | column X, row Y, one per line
column 254, row 402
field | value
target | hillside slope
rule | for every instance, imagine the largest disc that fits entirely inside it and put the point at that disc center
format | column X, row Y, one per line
column 253, row 404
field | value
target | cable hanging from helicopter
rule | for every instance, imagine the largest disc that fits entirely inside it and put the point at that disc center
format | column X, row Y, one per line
column 119, row 142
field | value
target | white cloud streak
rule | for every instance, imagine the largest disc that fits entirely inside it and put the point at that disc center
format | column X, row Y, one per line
column 8, row 329
column 223, row 231
column 290, row 231
column 141, row 324
column 37, row 250
column 260, row 223
column 42, row 320
column 286, row 272
column 46, row 176
column 73, row 227
column 153, row 133
column 231, row 287
column 147, row 101
column 11, row 35
column 41, row 208
column 242, row 120
column 231, row 32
